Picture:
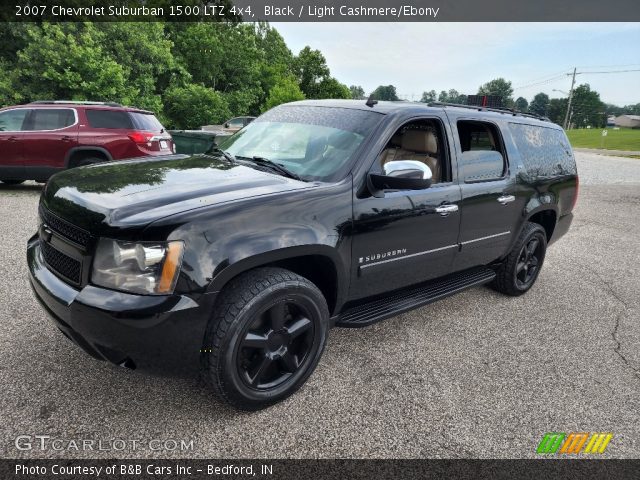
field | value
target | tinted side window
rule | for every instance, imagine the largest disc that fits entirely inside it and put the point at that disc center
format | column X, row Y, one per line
column 422, row 141
column 50, row 119
column 146, row 121
column 236, row 122
column 109, row 119
column 12, row 120
column 544, row 151
column 478, row 137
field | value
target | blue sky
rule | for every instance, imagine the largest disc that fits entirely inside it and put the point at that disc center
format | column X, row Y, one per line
column 422, row 56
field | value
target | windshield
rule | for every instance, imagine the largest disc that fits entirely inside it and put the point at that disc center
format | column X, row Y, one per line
column 316, row 143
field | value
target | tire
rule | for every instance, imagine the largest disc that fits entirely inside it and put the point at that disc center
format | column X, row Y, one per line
column 89, row 161
column 265, row 337
column 12, row 182
column 522, row 266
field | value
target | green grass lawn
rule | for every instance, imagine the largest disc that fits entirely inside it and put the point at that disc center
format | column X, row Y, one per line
column 623, row 139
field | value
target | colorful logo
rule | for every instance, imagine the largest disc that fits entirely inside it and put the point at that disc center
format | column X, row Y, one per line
column 573, row 443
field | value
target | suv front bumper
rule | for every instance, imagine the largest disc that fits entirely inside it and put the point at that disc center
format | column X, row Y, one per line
column 161, row 334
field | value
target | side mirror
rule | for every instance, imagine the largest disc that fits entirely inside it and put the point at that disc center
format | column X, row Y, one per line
column 226, row 125
column 400, row 175
column 481, row 165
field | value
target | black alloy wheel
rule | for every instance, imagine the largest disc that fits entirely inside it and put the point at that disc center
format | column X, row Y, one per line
column 276, row 345
column 520, row 269
column 265, row 338
column 528, row 262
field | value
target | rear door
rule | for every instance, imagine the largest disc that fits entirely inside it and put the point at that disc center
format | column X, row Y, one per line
column 49, row 135
column 490, row 207
column 11, row 145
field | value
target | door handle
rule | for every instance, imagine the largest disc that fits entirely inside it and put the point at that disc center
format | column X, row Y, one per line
column 12, row 139
column 445, row 210
column 504, row 199
column 66, row 138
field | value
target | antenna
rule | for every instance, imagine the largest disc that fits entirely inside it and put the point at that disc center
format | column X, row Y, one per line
column 370, row 101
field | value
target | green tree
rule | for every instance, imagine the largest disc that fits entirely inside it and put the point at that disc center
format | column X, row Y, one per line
column 556, row 109
column 357, row 92
column 8, row 94
column 222, row 56
column 194, row 105
column 276, row 62
column 588, row 109
column 310, row 68
column 332, row 88
column 521, row 104
column 385, row 92
column 286, row 90
column 500, row 88
column 68, row 61
column 452, row 96
column 428, row 97
column 144, row 52
column 540, row 104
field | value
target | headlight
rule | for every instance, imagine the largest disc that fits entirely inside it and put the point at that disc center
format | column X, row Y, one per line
column 138, row 267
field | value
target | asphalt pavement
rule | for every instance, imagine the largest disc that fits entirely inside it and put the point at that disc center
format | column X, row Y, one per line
column 476, row 375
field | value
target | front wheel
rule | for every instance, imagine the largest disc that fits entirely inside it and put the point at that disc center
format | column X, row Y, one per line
column 522, row 266
column 265, row 338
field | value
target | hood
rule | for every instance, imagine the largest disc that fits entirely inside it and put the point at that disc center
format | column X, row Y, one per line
column 137, row 192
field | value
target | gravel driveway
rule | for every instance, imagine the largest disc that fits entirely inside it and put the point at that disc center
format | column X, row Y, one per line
column 475, row 375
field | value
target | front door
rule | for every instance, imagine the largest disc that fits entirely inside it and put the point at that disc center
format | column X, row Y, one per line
column 11, row 146
column 411, row 236
column 51, row 133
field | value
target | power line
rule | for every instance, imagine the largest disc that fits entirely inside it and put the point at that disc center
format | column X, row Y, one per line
column 542, row 82
column 557, row 77
column 609, row 66
column 610, row 71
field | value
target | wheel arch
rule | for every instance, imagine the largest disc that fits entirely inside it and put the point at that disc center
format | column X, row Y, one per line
column 320, row 264
column 547, row 218
column 76, row 154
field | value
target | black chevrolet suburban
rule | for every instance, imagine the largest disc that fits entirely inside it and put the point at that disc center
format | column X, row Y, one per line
column 235, row 263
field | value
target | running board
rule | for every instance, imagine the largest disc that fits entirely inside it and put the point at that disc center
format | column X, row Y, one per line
column 404, row 300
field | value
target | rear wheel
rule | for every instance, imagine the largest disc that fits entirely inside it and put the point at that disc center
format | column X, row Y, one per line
column 522, row 266
column 265, row 338
column 89, row 161
column 12, row 182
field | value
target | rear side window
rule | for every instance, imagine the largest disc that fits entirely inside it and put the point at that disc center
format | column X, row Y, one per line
column 545, row 152
column 145, row 121
column 109, row 119
column 483, row 152
column 50, row 119
column 236, row 122
column 12, row 120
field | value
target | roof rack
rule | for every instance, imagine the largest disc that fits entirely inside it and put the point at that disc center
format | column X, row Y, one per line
column 74, row 102
column 480, row 108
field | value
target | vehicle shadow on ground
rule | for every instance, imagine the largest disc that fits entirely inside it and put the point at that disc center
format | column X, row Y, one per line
column 81, row 377
column 32, row 187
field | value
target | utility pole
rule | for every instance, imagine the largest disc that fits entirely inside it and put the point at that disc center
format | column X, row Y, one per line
column 566, row 116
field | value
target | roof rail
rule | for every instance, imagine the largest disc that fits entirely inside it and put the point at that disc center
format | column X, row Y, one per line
column 490, row 109
column 74, row 102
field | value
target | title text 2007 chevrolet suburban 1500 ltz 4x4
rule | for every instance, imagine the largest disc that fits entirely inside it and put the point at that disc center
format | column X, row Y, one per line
column 317, row 213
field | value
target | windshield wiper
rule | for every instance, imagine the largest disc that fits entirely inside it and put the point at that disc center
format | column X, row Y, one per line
column 276, row 167
column 230, row 158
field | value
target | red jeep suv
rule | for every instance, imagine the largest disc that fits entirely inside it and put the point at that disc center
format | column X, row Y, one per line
column 42, row 138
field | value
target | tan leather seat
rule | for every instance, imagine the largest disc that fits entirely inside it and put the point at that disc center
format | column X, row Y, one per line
column 389, row 153
column 422, row 146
